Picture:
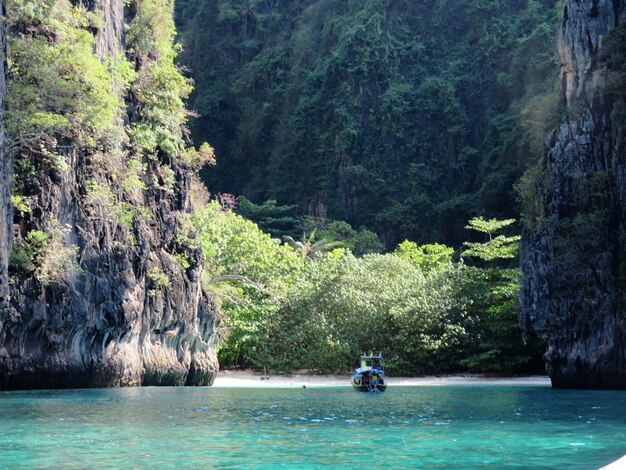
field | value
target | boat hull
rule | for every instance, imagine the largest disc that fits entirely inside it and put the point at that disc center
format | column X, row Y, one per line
column 373, row 388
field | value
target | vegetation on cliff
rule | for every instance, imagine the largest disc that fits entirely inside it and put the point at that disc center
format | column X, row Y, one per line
column 122, row 114
column 405, row 118
column 62, row 99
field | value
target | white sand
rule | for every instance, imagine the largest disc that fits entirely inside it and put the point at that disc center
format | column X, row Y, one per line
column 255, row 379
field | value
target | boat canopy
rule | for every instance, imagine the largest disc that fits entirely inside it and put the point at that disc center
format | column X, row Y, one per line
column 370, row 360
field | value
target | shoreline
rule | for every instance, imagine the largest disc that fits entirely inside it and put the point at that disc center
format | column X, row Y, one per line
column 247, row 379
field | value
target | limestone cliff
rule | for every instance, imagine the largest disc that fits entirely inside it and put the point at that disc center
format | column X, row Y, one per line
column 5, row 170
column 573, row 252
column 105, row 272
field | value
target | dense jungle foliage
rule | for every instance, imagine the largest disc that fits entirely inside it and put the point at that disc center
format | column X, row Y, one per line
column 402, row 117
column 312, row 305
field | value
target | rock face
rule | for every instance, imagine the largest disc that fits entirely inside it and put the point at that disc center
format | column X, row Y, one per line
column 129, row 313
column 574, row 251
column 5, row 170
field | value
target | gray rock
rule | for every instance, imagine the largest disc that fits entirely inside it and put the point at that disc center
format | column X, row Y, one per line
column 574, row 252
column 109, row 322
column 5, row 171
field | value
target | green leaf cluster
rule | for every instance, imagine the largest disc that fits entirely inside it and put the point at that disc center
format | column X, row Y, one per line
column 159, row 281
column 427, row 257
column 233, row 245
column 59, row 89
column 45, row 255
column 498, row 247
column 160, row 87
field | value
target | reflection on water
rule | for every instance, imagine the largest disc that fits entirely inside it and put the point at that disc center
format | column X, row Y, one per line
column 416, row 427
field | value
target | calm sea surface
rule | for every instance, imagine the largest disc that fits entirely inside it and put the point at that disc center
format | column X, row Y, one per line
column 406, row 427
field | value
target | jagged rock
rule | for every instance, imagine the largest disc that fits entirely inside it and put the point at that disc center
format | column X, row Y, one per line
column 5, row 171
column 109, row 322
column 574, row 286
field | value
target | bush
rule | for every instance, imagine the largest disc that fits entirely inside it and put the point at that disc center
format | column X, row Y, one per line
column 46, row 255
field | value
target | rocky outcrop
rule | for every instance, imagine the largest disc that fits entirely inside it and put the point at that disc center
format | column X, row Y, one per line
column 109, row 39
column 126, row 311
column 5, row 170
column 574, row 250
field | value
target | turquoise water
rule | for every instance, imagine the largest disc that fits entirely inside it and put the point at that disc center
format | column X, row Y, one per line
column 406, row 427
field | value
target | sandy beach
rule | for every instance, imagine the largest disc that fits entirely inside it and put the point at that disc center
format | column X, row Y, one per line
column 229, row 378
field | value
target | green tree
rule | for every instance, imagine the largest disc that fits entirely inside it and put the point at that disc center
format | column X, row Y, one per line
column 256, row 272
column 270, row 217
column 426, row 257
column 307, row 247
column 58, row 90
column 498, row 345
column 497, row 247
